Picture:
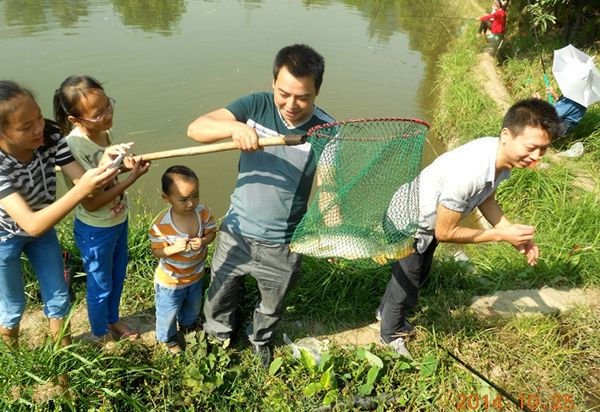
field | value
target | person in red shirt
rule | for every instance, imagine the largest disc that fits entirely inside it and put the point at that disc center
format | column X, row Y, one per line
column 485, row 26
column 497, row 18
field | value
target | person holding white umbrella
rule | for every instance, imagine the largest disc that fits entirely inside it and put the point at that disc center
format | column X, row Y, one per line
column 579, row 82
column 569, row 111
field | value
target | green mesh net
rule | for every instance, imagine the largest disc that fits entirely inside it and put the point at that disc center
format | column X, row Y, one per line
column 366, row 202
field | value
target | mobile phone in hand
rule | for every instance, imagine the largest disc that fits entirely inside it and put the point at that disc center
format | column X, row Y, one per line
column 117, row 161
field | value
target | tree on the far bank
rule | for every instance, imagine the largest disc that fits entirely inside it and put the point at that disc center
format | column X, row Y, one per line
column 573, row 21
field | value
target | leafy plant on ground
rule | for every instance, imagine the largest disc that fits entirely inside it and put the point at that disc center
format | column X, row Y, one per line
column 212, row 367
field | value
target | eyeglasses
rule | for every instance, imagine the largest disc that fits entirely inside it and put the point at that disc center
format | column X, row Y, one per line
column 109, row 109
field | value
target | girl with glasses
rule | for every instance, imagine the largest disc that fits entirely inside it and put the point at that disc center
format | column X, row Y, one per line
column 85, row 112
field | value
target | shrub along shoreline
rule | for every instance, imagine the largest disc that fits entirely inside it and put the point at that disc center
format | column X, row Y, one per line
column 551, row 359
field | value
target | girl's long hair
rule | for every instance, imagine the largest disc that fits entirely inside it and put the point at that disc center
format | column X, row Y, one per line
column 67, row 97
column 9, row 91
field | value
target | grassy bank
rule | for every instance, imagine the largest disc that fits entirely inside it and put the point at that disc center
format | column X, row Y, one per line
column 553, row 359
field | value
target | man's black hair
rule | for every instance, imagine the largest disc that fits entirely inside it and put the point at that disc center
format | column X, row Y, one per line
column 301, row 61
column 532, row 112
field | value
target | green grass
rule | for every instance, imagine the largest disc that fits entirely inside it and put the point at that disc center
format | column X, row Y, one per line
column 548, row 357
column 462, row 111
column 565, row 218
column 335, row 295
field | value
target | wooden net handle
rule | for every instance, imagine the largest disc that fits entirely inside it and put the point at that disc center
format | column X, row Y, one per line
column 289, row 140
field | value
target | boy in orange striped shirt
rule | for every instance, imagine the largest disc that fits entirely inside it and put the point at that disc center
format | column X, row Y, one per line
column 179, row 237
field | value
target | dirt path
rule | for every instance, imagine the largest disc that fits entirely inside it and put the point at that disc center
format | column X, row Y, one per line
column 523, row 302
column 34, row 326
column 486, row 73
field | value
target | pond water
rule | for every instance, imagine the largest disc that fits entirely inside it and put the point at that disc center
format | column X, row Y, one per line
column 168, row 61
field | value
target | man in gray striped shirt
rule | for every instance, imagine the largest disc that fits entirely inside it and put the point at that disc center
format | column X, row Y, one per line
column 270, row 195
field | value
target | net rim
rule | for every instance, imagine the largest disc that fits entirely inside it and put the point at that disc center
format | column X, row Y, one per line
column 313, row 130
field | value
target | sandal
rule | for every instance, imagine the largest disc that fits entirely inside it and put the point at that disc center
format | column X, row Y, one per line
column 172, row 347
column 102, row 340
column 121, row 331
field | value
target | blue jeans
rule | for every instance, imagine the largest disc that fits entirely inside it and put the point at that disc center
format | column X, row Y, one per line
column 104, row 254
column 44, row 254
column 176, row 306
column 569, row 112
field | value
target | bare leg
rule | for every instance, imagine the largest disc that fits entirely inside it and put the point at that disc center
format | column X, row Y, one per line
column 59, row 330
column 10, row 336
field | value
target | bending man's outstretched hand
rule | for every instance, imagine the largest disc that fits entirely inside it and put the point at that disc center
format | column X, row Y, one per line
column 531, row 252
column 521, row 237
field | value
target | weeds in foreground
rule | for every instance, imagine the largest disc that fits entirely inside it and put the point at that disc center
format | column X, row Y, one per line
column 209, row 375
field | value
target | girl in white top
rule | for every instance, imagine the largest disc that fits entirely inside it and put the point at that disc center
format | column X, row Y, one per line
column 82, row 109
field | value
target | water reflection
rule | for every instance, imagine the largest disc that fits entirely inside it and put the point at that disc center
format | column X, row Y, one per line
column 251, row 4
column 168, row 61
column 68, row 12
column 29, row 14
column 427, row 28
column 36, row 16
column 426, row 22
column 32, row 16
column 161, row 16
column 429, row 25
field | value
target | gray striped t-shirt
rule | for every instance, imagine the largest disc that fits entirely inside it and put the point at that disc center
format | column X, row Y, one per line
column 35, row 181
column 274, row 183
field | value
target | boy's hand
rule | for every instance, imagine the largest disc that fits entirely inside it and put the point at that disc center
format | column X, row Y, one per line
column 195, row 243
column 180, row 245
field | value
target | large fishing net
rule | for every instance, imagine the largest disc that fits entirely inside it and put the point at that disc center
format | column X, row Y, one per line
column 366, row 202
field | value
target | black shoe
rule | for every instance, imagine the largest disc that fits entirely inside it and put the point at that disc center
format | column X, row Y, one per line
column 196, row 327
column 264, row 354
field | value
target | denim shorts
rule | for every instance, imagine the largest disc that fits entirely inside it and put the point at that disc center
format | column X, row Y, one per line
column 44, row 254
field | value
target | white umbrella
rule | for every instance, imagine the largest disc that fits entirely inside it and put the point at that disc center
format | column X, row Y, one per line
column 576, row 75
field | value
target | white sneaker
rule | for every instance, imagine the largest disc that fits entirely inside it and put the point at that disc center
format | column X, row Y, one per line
column 576, row 150
column 399, row 346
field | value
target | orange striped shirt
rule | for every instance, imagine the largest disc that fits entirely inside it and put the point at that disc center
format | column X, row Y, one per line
column 184, row 268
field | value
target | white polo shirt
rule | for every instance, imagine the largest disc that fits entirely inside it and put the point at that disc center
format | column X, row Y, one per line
column 460, row 180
